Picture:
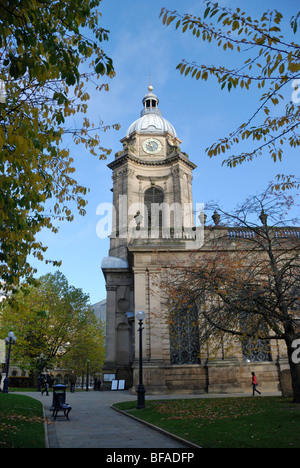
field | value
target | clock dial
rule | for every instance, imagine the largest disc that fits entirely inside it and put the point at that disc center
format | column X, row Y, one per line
column 151, row 146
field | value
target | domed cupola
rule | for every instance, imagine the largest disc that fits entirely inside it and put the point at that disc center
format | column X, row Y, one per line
column 151, row 120
column 150, row 102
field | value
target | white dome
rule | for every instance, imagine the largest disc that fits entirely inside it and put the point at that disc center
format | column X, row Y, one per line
column 151, row 123
column 151, row 120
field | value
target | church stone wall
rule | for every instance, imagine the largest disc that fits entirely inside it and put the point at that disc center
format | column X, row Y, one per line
column 186, row 379
column 218, row 372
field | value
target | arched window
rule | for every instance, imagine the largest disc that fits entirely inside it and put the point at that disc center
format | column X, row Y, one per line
column 153, row 198
column 255, row 348
column 184, row 337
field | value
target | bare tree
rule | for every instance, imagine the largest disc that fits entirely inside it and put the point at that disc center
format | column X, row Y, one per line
column 245, row 280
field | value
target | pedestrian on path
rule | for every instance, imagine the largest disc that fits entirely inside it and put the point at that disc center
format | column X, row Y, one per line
column 254, row 384
column 47, row 383
column 73, row 379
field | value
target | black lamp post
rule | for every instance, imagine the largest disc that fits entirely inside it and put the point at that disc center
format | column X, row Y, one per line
column 140, row 389
column 10, row 339
column 42, row 361
column 87, row 375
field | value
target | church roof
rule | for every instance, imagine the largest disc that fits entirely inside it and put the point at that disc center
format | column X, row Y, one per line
column 151, row 120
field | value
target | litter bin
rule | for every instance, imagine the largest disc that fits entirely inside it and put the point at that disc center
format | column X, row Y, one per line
column 60, row 390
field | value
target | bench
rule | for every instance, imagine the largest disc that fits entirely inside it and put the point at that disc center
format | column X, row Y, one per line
column 60, row 405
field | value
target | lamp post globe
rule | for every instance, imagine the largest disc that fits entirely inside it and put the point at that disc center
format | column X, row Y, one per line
column 140, row 315
column 41, row 361
column 9, row 340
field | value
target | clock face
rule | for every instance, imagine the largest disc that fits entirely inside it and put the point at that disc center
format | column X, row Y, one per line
column 151, row 146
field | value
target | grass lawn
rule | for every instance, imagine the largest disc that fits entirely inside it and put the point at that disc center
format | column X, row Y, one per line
column 250, row 422
column 21, row 422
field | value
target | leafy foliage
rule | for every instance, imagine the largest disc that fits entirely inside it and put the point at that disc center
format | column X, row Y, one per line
column 46, row 50
column 272, row 65
column 55, row 319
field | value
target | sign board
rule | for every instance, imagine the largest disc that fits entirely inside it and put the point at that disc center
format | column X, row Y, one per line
column 118, row 385
column 121, row 385
column 114, row 385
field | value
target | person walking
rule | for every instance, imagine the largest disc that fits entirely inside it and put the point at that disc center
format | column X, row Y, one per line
column 254, row 384
column 72, row 380
column 47, row 383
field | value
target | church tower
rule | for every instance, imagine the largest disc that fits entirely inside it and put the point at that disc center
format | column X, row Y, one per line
column 153, row 210
column 152, row 192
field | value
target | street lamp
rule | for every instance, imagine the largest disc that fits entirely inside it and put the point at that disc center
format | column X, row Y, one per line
column 10, row 339
column 141, row 389
column 40, row 359
column 87, row 375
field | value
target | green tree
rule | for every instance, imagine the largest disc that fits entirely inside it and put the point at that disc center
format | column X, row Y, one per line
column 87, row 351
column 52, row 318
column 270, row 62
column 49, row 51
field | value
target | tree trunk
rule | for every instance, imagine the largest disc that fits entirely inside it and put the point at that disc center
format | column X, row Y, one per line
column 294, row 368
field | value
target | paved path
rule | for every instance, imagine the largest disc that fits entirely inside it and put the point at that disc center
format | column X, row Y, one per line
column 94, row 424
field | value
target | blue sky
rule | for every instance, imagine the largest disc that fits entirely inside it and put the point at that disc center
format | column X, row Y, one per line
column 140, row 44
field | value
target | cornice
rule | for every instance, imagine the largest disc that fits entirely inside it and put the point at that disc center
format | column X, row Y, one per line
column 128, row 157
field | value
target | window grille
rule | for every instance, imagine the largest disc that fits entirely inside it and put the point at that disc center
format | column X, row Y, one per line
column 184, row 337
